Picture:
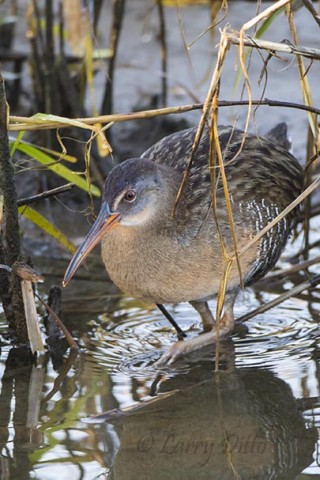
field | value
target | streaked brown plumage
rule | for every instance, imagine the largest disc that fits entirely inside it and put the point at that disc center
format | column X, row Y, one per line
column 163, row 259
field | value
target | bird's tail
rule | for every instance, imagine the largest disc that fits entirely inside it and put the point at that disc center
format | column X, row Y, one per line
column 279, row 135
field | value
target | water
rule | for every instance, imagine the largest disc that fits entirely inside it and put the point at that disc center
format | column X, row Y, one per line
column 255, row 418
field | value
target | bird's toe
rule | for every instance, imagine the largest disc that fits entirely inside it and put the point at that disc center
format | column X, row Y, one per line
column 176, row 351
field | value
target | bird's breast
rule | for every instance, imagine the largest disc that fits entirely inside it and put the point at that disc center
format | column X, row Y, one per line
column 160, row 269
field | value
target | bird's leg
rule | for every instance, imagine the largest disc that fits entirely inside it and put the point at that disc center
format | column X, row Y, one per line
column 165, row 312
column 205, row 314
column 182, row 348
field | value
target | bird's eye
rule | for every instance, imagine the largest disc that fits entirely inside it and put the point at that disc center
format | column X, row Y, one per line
column 130, row 196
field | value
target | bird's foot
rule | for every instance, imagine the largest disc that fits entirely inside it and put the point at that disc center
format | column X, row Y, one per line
column 176, row 351
column 183, row 347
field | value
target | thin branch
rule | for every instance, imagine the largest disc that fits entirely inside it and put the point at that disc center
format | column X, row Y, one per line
column 214, row 85
column 285, row 47
column 41, row 196
column 72, row 343
column 313, row 282
column 289, row 271
column 31, row 123
column 271, row 103
column 309, row 5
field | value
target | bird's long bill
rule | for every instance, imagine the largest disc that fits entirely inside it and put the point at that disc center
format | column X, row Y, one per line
column 105, row 221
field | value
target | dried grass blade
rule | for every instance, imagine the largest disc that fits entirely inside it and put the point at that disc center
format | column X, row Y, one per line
column 313, row 282
column 223, row 47
column 71, row 341
column 305, row 86
column 30, row 311
column 246, row 26
column 313, row 53
column 227, row 196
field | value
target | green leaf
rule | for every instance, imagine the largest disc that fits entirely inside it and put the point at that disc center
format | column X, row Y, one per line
column 41, row 222
column 58, row 168
column 49, row 117
column 268, row 21
column 62, row 156
column 14, row 145
column 261, row 31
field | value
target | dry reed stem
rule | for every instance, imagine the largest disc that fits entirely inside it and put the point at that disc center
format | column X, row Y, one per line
column 305, row 86
column 311, row 283
column 213, row 180
column 17, row 123
column 69, row 338
column 223, row 47
column 215, row 9
column 30, row 311
column 285, row 47
column 29, row 123
column 215, row 153
column 308, row 4
column 312, row 147
column 28, row 276
column 216, row 145
column 265, row 14
column 291, row 270
column 308, row 100
column 246, row 26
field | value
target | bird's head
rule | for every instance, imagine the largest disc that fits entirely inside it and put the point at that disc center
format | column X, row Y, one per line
column 134, row 194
